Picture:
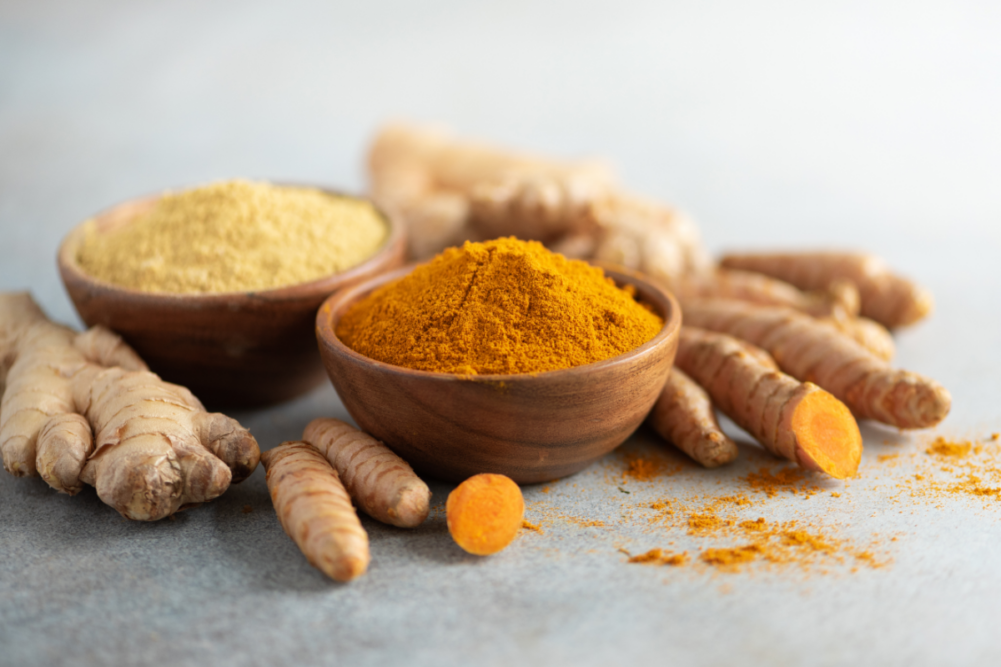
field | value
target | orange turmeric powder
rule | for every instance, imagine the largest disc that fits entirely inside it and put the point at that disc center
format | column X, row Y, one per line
column 500, row 307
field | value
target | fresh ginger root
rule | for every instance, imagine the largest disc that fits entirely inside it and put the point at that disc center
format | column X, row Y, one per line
column 886, row 297
column 315, row 510
column 811, row 350
column 485, row 513
column 382, row 483
column 450, row 191
column 156, row 449
column 798, row 421
column 683, row 415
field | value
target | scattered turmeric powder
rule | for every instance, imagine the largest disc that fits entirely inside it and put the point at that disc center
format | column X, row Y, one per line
column 660, row 557
column 943, row 447
column 504, row 306
column 528, row 525
column 484, row 513
column 235, row 236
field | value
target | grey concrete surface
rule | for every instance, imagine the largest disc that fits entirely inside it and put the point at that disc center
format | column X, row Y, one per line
column 871, row 125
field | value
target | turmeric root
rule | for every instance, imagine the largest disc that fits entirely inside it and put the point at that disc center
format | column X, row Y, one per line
column 798, row 421
column 840, row 300
column 683, row 415
column 315, row 510
column 814, row 351
column 870, row 334
column 484, row 513
column 891, row 300
column 382, row 483
column 156, row 450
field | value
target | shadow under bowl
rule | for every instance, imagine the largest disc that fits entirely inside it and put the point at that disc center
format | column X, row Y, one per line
column 236, row 349
column 531, row 427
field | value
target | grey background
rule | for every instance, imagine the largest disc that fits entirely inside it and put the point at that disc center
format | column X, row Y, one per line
column 869, row 125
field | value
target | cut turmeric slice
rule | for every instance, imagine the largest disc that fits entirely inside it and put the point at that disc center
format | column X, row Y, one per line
column 484, row 513
column 811, row 350
column 796, row 420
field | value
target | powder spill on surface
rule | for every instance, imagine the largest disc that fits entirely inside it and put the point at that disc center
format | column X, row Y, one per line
column 235, row 236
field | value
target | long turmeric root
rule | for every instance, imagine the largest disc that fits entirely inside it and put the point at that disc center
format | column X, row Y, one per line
column 891, row 300
column 382, row 483
column 683, row 415
column 798, row 421
column 156, row 450
column 315, row 510
column 811, row 350
column 484, row 513
column 870, row 334
column 840, row 299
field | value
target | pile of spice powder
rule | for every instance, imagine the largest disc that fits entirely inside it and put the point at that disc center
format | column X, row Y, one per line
column 235, row 236
column 500, row 307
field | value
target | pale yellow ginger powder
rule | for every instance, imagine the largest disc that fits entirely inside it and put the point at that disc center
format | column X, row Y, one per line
column 235, row 236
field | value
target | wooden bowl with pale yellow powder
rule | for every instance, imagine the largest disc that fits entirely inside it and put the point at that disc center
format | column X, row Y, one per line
column 217, row 287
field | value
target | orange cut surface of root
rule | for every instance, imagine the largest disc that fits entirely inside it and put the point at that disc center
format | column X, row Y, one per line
column 485, row 513
column 827, row 432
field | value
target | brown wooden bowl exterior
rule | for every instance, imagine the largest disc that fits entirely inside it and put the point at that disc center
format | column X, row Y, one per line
column 239, row 349
column 532, row 428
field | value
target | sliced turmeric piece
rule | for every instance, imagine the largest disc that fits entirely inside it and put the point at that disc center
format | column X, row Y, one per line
column 888, row 298
column 484, row 513
column 382, row 483
column 811, row 350
column 315, row 510
column 796, row 420
column 683, row 415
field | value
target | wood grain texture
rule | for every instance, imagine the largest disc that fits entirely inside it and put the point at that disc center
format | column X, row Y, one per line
column 239, row 349
column 532, row 428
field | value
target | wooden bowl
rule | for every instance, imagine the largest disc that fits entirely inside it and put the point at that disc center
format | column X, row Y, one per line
column 532, row 428
column 237, row 349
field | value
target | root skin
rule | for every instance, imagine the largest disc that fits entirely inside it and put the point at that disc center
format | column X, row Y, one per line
column 813, row 351
column 144, row 444
column 384, row 485
column 315, row 510
column 794, row 420
column 886, row 297
column 684, row 416
column 841, row 300
column 870, row 334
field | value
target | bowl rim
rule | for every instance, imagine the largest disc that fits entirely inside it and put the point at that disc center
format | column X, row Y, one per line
column 66, row 257
column 336, row 303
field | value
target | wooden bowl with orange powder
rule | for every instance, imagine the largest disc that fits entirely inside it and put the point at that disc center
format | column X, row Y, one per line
column 531, row 427
column 232, row 349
